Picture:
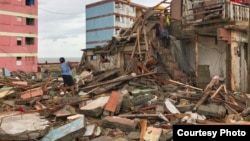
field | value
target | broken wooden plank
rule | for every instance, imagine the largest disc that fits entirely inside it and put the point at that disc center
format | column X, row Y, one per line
column 64, row 130
column 207, row 91
column 47, row 82
column 120, row 79
column 105, row 88
column 184, row 85
column 25, row 83
column 32, row 93
column 231, row 104
column 95, row 107
column 124, row 124
column 154, row 115
column 6, row 91
column 203, row 98
column 145, row 38
column 113, row 101
column 144, row 68
column 143, row 125
column 216, row 92
column 103, row 76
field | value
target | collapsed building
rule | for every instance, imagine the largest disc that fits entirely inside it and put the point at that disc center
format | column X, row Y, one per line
column 137, row 90
column 208, row 38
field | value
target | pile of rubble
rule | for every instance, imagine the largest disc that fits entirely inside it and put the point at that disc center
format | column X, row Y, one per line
column 112, row 105
column 141, row 103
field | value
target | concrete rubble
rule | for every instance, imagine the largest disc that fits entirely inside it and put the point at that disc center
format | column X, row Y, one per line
column 139, row 104
column 129, row 110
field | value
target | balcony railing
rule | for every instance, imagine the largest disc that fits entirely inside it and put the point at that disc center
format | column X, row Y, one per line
column 202, row 12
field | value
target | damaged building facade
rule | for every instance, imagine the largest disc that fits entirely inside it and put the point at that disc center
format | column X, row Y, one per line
column 219, row 39
column 208, row 38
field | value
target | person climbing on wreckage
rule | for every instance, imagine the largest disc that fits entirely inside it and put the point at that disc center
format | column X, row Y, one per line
column 68, row 81
column 165, row 22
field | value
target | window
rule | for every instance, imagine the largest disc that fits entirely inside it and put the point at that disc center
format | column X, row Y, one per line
column 19, row 19
column 117, row 31
column 18, row 61
column 117, row 18
column 29, row 41
column 29, row 2
column 93, row 57
column 117, row 5
column 30, row 21
column 121, row 6
column 19, row 41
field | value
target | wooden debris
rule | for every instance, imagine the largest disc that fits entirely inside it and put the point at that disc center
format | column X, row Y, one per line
column 95, row 107
column 6, row 91
column 62, row 132
column 113, row 102
column 31, row 93
column 143, row 125
column 207, row 91
column 187, row 86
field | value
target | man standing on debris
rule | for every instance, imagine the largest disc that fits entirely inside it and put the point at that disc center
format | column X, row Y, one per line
column 67, row 76
column 165, row 22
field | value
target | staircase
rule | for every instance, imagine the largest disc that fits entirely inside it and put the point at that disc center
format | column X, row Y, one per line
column 169, row 65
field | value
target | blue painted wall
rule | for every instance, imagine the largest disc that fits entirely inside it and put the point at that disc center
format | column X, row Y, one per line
column 100, row 35
column 102, row 22
column 106, row 8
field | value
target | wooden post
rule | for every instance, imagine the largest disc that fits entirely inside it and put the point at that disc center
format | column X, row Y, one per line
column 248, row 53
column 196, row 56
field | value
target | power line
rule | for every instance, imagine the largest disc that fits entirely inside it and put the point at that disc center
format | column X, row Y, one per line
column 60, row 12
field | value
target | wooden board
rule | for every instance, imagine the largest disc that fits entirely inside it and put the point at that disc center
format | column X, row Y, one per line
column 64, row 130
column 113, row 101
column 31, row 93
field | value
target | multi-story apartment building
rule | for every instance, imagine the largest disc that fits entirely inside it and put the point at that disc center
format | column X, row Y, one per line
column 18, row 35
column 105, row 18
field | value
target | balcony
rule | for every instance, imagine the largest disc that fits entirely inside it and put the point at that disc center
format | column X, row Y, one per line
column 211, row 13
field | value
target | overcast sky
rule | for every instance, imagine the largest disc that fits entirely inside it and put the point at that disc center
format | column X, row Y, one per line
column 61, row 26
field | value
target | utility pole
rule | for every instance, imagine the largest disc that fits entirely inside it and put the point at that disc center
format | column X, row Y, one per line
column 248, row 51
